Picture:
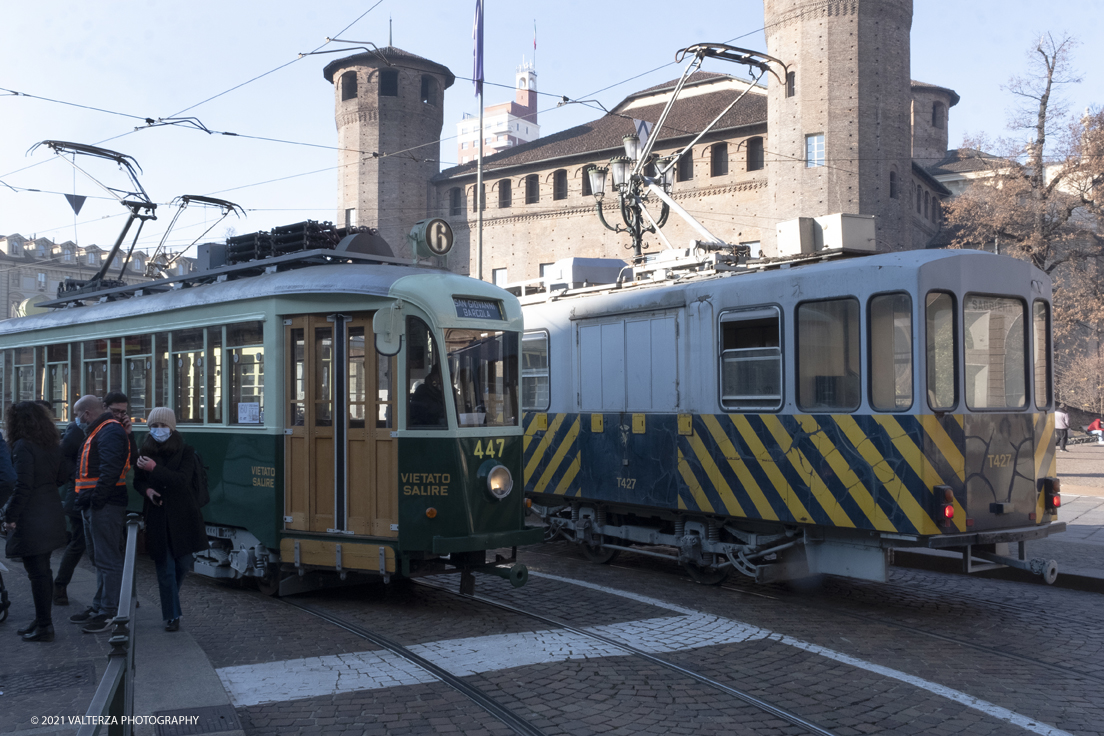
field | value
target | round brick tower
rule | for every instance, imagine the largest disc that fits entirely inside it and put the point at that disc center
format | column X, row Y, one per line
column 389, row 122
column 839, row 130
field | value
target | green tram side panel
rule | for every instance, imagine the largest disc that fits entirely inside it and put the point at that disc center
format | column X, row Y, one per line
column 245, row 477
column 443, row 473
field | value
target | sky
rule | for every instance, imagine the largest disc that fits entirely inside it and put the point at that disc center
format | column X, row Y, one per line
column 234, row 67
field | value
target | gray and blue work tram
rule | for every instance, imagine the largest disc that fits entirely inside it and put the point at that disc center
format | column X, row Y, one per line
column 357, row 419
column 798, row 417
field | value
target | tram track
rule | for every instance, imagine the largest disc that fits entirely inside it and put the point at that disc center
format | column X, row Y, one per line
column 745, row 697
column 518, row 724
column 803, row 602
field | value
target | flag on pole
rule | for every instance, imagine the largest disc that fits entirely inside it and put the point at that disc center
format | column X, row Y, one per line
column 477, row 36
column 534, row 36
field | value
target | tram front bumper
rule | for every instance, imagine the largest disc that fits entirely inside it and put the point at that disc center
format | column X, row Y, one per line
column 494, row 540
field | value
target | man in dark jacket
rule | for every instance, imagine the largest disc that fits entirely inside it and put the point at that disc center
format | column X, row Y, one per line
column 102, row 497
column 71, row 444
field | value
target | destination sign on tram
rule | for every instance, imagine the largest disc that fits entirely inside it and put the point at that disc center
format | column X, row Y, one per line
column 477, row 308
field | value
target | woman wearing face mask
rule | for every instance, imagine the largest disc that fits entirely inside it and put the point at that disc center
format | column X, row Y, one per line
column 174, row 523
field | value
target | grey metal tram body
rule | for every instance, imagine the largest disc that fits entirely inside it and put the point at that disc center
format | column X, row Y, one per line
column 797, row 417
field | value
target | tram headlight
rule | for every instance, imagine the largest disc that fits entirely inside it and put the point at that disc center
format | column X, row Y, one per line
column 499, row 479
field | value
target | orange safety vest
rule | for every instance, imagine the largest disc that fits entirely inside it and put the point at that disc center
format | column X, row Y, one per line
column 84, row 481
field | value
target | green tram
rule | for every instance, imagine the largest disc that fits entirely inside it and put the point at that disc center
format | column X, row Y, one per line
column 318, row 398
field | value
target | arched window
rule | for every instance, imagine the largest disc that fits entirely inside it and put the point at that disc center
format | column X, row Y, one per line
column 685, row 170
column 791, row 84
column 892, row 184
column 937, row 115
column 927, row 202
column 919, row 200
column 429, row 90
column 532, row 189
column 456, row 201
column 388, row 83
column 718, row 159
column 348, row 86
column 505, row 194
column 754, row 153
column 559, row 184
column 586, row 190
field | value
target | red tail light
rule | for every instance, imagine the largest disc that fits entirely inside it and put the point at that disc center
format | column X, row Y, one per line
column 948, row 511
column 1052, row 493
column 944, row 502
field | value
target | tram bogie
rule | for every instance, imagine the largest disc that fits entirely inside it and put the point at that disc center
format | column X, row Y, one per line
column 797, row 418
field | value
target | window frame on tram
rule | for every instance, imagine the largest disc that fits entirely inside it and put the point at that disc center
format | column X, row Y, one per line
column 848, row 358
column 112, row 358
column 1044, row 372
column 753, row 314
column 1024, row 358
column 929, row 345
column 876, row 373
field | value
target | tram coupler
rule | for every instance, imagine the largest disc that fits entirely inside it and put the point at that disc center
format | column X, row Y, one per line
column 517, row 574
column 1048, row 569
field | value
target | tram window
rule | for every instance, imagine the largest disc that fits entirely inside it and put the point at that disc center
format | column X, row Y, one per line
column 425, row 407
column 994, row 336
column 942, row 347
column 139, row 382
column 385, row 395
column 188, row 376
column 245, row 364
column 828, row 360
column 323, row 377
column 890, row 351
column 357, row 379
column 57, row 380
column 214, row 375
column 24, row 384
column 115, row 358
column 751, row 359
column 9, row 360
column 534, row 371
column 161, row 369
column 95, row 367
column 298, row 380
column 1040, row 318
column 484, row 377
column 74, row 374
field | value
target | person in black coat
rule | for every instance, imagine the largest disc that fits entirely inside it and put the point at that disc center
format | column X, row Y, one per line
column 174, row 523
column 72, row 442
column 33, row 514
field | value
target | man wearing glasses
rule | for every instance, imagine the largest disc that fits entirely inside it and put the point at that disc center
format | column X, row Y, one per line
column 102, row 497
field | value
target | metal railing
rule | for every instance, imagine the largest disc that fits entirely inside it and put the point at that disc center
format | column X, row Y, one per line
column 113, row 704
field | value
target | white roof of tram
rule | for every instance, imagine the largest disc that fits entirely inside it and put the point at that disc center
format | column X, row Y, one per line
column 431, row 288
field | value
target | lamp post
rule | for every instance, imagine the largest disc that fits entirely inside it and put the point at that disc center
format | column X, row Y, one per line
column 631, row 193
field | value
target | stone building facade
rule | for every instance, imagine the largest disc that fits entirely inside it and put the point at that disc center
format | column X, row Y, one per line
column 842, row 128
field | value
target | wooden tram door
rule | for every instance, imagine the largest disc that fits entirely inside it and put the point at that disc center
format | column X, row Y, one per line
column 340, row 461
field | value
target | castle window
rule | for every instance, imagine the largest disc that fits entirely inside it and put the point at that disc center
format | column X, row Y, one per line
column 456, row 201
column 505, row 194
column 532, row 189
column 587, row 191
column 893, row 185
column 559, row 184
column 388, row 83
column 927, row 201
column 814, row 150
column 685, row 171
column 350, row 217
column 755, row 154
column 718, row 159
column 429, row 90
column 791, row 84
column 348, row 86
column 498, row 276
column 937, row 115
column 919, row 200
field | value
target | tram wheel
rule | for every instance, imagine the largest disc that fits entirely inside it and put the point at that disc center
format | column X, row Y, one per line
column 705, row 575
column 599, row 554
column 269, row 585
